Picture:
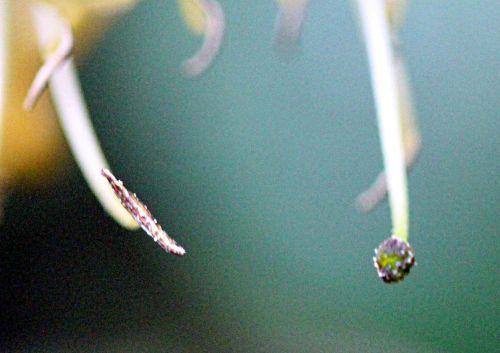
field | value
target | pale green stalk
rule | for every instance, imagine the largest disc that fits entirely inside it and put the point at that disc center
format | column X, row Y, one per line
column 384, row 82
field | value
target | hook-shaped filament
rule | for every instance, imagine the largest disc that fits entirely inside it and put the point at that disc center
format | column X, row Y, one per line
column 213, row 36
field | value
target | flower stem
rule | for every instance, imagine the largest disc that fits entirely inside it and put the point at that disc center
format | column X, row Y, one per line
column 384, row 82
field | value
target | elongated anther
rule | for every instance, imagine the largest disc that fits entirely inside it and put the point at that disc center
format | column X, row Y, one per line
column 142, row 216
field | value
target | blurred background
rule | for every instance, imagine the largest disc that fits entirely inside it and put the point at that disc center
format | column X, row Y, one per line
column 254, row 168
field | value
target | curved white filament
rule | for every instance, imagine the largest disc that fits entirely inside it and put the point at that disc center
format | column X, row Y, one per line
column 52, row 63
column 70, row 106
column 214, row 33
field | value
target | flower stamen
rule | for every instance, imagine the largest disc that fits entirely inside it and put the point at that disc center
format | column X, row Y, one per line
column 394, row 257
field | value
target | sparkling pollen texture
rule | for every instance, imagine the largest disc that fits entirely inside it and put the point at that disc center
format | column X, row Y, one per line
column 393, row 260
column 142, row 216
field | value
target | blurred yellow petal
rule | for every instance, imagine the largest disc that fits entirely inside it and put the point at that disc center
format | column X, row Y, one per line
column 76, row 11
column 4, row 34
column 3, row 54
column 89, row 18
column 193, row 15
column 33, row 146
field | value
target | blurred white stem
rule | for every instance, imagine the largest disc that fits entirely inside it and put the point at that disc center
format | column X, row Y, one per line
column 70, row 106
column 384, row 82
column 289, row 22
column 214, row 34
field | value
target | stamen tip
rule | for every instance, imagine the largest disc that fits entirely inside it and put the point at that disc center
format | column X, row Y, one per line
column 178, row 251
column 393, row 260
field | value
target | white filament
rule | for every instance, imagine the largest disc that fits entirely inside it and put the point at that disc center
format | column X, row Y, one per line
column 71, row 108
column 384, row 82
column 214, row 33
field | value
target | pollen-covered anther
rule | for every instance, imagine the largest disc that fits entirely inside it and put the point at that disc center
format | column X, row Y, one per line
column 393, row 260
column 142, row 216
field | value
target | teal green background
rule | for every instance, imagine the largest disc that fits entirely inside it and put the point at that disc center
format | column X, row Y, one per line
column 254, row 168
